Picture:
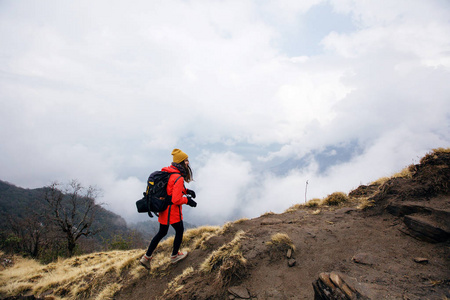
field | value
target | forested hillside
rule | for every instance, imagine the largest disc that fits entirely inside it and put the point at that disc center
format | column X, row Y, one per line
column 26, row 226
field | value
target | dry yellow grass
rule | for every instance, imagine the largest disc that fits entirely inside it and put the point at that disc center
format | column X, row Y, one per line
column 240, row 220
column 109, row 291
column 281, row 241
column 269, row 213
column 440, row 149
column 195, row 238
column 175, row 285
column 228, row 260
column 192, row 238
column 335, row 198
column 405, row 173
column 313, row 202
column 87, row 276
column 217, row 258
column 365, row 203
column 380, row 181
column 294, row 207
column 226, row 227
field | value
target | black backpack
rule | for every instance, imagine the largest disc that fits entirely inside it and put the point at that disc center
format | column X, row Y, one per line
column 155, row 197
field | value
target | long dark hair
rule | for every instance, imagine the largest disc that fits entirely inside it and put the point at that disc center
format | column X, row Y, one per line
column 189, row 175
column 185, row 170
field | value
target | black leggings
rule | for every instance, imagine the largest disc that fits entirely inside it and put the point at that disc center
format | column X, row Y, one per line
column 163, row 229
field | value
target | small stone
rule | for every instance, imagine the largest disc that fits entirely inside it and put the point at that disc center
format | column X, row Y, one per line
column 311, row 234
column 291, row 262
column 239, row 291
column 289, row 253
column 273, row 294
column 364, row 259
column 421, row 260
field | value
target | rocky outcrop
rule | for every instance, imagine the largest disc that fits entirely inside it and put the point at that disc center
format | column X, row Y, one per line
column 332, row 286
column 338, row 286
column 426, row 229
column 423, row 222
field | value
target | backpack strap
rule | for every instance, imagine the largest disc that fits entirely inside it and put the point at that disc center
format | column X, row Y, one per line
column 170, row 206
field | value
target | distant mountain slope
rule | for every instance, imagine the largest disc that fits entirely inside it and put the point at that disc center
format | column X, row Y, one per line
column 17, row 202
column 325, row 158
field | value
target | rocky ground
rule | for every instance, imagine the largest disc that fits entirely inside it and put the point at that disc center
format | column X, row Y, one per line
column 398, row 248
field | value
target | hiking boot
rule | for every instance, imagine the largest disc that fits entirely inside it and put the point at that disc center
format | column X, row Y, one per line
column 145, row 261
column 177, row 257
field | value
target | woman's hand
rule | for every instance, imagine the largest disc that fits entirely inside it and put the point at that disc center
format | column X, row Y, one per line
column 191, row 202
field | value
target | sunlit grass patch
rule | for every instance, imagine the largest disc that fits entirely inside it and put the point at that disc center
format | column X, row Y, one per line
column 193, row 238
column 294, row 207
column 407, row 172
column 240, row 220
column 313, row 202
column 176, row 284
column 227, row 260
column 380, row 181
column 228, row 254
column 109, row 291
column 21, row 277
column 226, row 228
column 269, row 213
column 281, row 241
column 84, row 276
column 442, row 150
column 335, row 199
column 365, row 203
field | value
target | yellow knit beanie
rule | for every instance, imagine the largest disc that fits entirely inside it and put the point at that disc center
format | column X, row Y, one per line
column 178, row 156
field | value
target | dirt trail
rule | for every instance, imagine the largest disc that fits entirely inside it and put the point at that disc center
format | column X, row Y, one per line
column 374, row 247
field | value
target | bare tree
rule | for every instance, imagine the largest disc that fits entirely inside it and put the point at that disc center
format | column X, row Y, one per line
column 31, row 231
column 73, row 210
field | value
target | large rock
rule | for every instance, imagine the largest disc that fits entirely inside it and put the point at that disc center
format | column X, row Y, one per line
column 402, row 209
column 424, row 222
column 426, row 229
column 332, row 286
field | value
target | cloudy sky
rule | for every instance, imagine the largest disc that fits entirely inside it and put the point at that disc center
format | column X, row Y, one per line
column 262, row 95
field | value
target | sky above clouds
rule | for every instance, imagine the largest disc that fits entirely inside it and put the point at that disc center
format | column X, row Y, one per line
column 336, row 93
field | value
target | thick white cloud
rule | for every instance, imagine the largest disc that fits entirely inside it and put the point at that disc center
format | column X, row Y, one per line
column 222, row 180
column 102, row 91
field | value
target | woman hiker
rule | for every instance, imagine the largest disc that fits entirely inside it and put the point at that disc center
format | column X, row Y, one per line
column 173, row 215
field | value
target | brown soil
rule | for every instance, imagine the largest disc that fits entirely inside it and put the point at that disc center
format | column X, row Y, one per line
column 375, row 247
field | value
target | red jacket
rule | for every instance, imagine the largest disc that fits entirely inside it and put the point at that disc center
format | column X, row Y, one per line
column 176, row 189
